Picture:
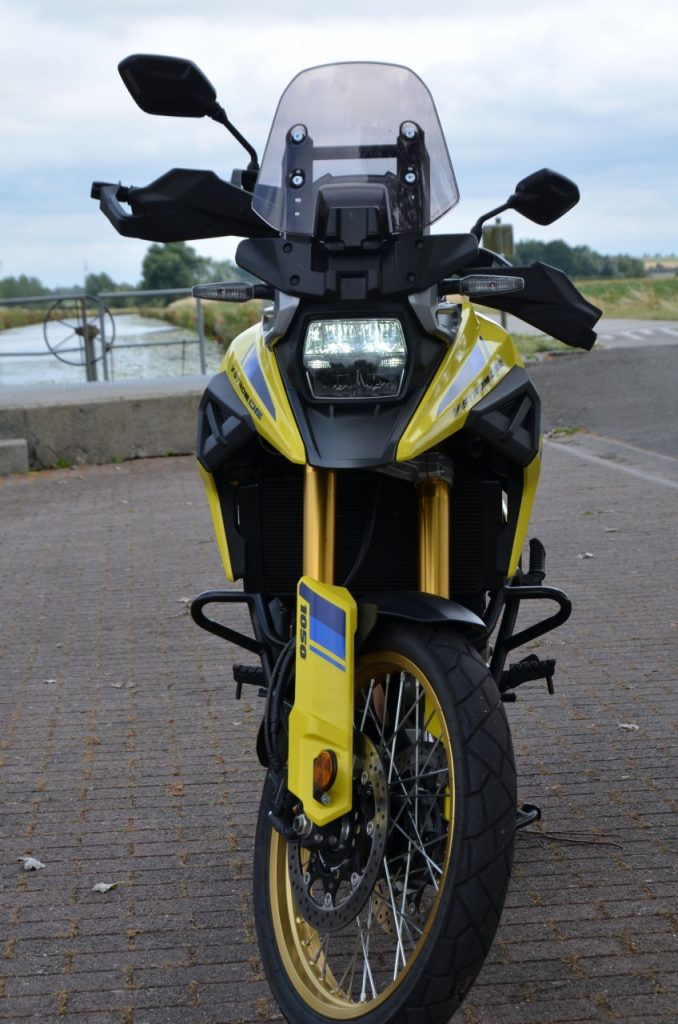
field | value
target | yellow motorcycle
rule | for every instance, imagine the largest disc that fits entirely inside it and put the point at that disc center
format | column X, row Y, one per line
column 370, row 452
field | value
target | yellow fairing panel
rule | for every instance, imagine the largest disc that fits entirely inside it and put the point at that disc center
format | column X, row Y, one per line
column 530, row 481
column 217, row 519
column 482, row 354
column 253, row 371
column 322, row 716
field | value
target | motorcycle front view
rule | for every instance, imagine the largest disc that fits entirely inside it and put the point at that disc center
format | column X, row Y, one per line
column 370, row 453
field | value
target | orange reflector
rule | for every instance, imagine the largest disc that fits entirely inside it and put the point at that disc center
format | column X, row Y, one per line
column 324, row 771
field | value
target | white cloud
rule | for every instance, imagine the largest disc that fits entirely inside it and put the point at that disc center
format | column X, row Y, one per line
column 587, row 86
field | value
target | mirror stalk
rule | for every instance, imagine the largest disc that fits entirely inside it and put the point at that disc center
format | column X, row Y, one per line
column 217, row 113
column 477, row 228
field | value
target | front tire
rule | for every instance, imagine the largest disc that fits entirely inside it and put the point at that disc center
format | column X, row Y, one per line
column 427, row 703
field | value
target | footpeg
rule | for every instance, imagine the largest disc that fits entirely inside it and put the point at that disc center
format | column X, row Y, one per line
column 526, row 670
column 527, row 815
column 253, row 675
column 537, row 570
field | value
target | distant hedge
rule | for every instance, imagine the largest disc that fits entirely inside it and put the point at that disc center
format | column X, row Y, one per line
column 578, row 260
column 223, row 320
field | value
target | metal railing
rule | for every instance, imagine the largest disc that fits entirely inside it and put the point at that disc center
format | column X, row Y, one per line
column 200, row 320
column 90, row 341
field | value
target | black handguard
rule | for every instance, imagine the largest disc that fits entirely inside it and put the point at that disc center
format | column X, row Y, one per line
column 549, row 301
column 180, row 206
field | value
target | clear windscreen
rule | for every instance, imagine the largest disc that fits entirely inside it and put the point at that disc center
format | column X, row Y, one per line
column 355, row 123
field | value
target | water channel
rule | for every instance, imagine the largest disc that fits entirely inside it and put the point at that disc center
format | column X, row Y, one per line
column 144, row 348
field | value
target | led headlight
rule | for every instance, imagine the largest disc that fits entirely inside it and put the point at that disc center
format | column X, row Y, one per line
column 355, row 358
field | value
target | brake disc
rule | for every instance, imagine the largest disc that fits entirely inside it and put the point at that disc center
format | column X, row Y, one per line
column 333, row 882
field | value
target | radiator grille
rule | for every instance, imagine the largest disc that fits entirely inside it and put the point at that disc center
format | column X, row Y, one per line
column 271, row 521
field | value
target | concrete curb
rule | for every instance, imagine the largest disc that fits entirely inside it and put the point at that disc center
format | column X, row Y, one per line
column 100, row 423
column 13, row 456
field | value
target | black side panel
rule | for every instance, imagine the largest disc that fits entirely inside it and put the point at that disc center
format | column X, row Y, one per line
column 223, row 424
column 225, row 432
column 509, row 417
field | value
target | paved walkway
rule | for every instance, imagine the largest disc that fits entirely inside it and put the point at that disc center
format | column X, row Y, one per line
column 124, row 758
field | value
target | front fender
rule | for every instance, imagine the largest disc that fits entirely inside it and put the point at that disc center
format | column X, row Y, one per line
column 412, row 606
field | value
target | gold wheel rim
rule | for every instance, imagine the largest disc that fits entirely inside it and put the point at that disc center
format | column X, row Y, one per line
column 304, row 952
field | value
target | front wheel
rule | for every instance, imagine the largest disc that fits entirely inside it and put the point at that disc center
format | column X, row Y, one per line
column 386, row 916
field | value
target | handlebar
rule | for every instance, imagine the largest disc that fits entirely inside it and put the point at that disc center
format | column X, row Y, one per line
column 109, row 197
column 180, row 206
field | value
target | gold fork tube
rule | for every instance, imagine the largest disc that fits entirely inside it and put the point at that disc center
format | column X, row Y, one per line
column 433, row 498
column 320, row 496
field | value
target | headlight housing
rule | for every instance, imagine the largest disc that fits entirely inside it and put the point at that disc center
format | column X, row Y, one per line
column 349, row 359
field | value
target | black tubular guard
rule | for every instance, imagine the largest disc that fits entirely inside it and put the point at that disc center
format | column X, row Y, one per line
column 180, row 206
column 549, row 301
column 506, row 640
column 218, row 628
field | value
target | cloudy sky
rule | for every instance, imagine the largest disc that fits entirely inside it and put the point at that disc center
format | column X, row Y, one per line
column 587, row 87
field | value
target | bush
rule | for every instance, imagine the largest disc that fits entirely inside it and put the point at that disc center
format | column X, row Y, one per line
column 15, row 316
column 223, row 320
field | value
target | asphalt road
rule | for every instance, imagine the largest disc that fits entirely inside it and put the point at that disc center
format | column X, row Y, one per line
column 625, row 389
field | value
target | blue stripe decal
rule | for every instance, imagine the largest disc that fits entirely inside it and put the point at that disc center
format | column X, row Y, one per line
column 473, row 365
column 327, row 638
column 316, row 650
column 256, row 377
column 328, row 622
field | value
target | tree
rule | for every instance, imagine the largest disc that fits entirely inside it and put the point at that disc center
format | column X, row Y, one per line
column 95, row 283
column 173, row 265
column 576, row 261
column 22, row 286
column 225, row 270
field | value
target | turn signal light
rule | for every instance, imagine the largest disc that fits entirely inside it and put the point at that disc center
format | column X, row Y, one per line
column 324, row 771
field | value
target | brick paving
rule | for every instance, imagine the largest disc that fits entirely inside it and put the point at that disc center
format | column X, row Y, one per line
column 124, row 757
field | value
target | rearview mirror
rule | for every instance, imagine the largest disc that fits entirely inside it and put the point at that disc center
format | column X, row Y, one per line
column 544, row 196
column 171, row 86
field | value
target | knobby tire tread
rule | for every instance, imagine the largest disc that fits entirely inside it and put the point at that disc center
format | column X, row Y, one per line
column 481, row 860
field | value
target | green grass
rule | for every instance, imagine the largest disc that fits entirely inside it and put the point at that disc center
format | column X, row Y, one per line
column 16, row 316
column 531, row 345
column 635, row 298
column 566, row 431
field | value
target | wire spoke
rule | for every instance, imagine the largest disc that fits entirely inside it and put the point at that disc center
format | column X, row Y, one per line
column 424, row 846
column 367, row 970
column 368, row 699
column 322, row 949
column 431, row 864
column 395, row 730
column 397, row 920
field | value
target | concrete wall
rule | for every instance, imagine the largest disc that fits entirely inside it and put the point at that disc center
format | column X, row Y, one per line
column 99, row 423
